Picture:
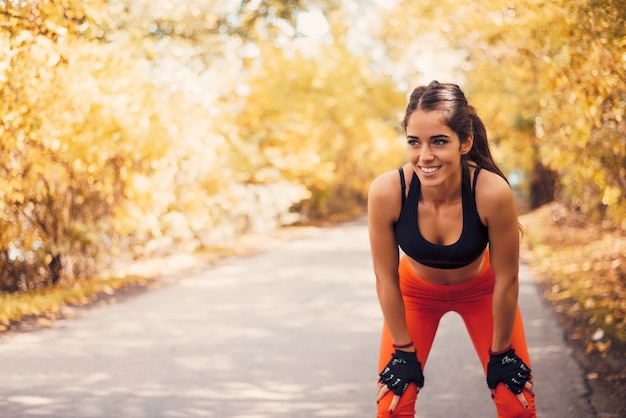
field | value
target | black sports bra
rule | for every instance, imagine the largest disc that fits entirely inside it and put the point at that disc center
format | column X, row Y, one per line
column 474, row 236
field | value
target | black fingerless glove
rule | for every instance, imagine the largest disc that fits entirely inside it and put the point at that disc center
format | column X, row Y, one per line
column 402, row 369
column 508, row 368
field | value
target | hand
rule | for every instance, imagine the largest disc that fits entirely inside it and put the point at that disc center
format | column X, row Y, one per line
column 403, row 368
column 508, row 368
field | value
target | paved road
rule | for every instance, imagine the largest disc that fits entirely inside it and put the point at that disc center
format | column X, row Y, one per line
column 292, row 332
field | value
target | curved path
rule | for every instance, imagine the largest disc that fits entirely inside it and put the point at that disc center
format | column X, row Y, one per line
column 291, row 332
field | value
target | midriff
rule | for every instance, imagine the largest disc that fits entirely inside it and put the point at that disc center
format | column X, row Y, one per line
column 448, row 276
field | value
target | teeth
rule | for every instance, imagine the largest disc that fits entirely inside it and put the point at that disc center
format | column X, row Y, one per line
column 429, row 169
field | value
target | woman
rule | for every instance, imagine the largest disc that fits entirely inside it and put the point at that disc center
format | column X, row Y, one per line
column 452, row 212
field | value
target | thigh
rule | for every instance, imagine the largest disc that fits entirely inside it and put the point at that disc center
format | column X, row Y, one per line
column 422, row 329
column 479, row 322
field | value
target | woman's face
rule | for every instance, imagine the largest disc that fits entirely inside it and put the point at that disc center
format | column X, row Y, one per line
column 434, row 149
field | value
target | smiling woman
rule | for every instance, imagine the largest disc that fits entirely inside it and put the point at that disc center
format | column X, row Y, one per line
column 452, row 212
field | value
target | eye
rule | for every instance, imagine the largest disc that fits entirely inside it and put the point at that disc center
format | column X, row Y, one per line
column 440, row 142
column 413, row 141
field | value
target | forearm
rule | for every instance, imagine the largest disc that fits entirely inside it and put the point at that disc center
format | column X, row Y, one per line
column 504, row 307
column 392, row 306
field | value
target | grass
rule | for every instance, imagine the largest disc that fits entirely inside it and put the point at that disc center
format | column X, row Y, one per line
column 44, row 305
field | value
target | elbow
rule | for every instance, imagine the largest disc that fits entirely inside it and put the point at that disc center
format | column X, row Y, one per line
column 507, row 281
column 385, row 284
column 379, row 285
column 512, row 281
column 507, row 286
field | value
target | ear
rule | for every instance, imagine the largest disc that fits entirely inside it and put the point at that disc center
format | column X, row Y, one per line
column 466, row 146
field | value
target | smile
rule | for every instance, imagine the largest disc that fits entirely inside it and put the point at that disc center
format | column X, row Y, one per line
column 429, row 169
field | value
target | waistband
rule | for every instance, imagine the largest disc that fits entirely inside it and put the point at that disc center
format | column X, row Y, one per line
column 414, row 285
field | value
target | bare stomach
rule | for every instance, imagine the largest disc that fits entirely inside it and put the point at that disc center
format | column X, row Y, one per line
column 448, row 277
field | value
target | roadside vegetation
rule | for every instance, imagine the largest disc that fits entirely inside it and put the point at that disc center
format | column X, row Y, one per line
column 582, row 271
column 38, row 308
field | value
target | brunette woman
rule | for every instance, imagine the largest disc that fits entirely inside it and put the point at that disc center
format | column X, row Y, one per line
column 451, row 212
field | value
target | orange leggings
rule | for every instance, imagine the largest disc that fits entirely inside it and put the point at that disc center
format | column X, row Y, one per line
column 425, row 304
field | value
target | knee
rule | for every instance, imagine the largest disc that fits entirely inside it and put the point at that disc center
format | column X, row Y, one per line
column 405, row 408
column 509, row 406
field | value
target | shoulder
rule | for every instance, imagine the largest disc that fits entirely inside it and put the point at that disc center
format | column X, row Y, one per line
column 494, row 196
column 491, row 184
column 386, row 185
column 385, row 195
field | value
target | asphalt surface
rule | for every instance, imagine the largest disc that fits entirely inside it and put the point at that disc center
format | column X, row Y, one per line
column 292, row 332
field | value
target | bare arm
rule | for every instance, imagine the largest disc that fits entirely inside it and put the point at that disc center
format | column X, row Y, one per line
column 384, row 205
column 495, row 200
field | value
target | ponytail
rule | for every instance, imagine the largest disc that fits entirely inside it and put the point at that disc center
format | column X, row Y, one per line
column 480, row 152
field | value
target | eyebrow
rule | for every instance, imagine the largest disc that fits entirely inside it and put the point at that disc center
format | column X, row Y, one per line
column 440, row 136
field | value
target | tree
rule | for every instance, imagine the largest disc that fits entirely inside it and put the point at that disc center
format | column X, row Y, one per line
column 70, row 149
column 321, row 119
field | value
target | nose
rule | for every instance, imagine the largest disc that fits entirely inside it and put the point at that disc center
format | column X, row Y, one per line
column 426, row 153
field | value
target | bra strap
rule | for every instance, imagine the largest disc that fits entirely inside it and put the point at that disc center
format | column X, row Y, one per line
column 402, row 184
column 476, row 171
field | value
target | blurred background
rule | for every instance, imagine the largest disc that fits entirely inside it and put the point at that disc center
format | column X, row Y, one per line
column 140, row 128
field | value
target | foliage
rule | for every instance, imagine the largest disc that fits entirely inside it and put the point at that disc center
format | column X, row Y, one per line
column 324, row 126
column 73, row 145
column 132, row 128
column 579, row 125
